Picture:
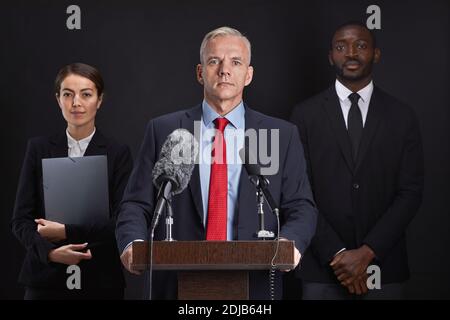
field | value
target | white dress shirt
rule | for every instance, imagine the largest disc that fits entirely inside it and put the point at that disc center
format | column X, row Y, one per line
column 363, row 103
column 365, row 93
column 234, row 135
column 78, row 148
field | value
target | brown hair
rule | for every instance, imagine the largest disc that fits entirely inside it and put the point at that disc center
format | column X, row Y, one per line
column 83, row 70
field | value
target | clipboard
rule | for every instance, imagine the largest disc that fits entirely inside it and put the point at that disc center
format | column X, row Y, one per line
column 76, row 189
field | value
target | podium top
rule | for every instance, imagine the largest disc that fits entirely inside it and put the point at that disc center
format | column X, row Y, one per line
column 213, row 255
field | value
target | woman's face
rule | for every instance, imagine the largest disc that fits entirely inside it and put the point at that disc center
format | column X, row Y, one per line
column 78, row 100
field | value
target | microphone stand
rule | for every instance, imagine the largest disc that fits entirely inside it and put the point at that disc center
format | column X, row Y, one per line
column 260, row 184
column 164, row 197
column 262, row 193
column 169, row 222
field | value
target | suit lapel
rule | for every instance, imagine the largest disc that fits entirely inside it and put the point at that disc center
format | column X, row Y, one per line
column 59, row 146
column 246, row 189
column 333, row 109
column 97, row 146
column 371, row 125
column 187, row 123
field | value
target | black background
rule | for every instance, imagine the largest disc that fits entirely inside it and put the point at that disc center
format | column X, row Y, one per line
column 147, row 52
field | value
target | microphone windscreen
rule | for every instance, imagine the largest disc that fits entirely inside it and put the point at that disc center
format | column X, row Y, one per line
column 176, row 160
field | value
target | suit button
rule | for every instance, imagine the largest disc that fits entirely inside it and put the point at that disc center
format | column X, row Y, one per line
column 355, row 186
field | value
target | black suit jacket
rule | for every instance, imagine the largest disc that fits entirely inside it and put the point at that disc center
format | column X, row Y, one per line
column 289, row 187
column 104, row 269
column 370, row 202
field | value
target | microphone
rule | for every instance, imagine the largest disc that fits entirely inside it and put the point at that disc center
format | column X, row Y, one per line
column 171, row 174
column 173, row 170
column 254, row 172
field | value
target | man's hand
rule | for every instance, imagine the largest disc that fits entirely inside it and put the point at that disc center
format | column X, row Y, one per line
column 127, row 258
column 359, row 286
column 351, row 264
column 50, row 230
column 69, row 254
column 297, row 257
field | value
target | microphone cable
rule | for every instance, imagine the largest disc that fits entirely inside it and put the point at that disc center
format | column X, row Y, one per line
column 273, row 266
column 150, row 246
column 150, row 269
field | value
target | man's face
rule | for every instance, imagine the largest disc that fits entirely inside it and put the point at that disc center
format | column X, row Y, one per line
column 225, row 70
column 353, row 53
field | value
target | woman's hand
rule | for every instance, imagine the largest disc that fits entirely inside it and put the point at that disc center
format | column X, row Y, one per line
column 70, row 254
column 50, row 230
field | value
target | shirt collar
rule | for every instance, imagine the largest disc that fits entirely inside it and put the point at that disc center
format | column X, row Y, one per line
column 235, row 116
column 71, row 142
column 343, row 92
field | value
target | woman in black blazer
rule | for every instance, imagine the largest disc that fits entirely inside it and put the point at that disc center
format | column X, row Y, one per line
column 51, row 246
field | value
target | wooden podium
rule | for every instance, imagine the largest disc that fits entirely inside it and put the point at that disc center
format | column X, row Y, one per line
column 213, row 270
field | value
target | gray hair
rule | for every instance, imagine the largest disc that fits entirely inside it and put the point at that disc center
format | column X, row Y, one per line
column 222, row 32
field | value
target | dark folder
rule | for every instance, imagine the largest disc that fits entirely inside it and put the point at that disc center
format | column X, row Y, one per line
column 76, row 189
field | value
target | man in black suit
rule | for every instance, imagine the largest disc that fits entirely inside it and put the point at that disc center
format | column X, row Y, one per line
column 224, row 72
column 365, row 162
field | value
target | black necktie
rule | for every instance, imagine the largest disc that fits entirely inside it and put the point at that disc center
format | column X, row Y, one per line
column 355, row 124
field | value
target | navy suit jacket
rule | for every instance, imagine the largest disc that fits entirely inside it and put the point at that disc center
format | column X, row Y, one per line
column 104, row 269
column 290, row 188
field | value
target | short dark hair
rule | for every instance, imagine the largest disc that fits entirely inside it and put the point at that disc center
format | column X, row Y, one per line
column 83, row 70
column 359, row 24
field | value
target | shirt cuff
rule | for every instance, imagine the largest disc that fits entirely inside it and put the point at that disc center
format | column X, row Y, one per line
column 343, row 249
column 129, row 244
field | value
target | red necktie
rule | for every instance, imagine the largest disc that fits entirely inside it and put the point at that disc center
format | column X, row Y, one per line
column 216, row 228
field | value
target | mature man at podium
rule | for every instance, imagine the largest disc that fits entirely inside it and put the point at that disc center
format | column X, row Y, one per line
column 219, row 202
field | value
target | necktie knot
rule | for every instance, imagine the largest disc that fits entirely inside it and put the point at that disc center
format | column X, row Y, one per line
column 221, row 123
column 354, row 97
